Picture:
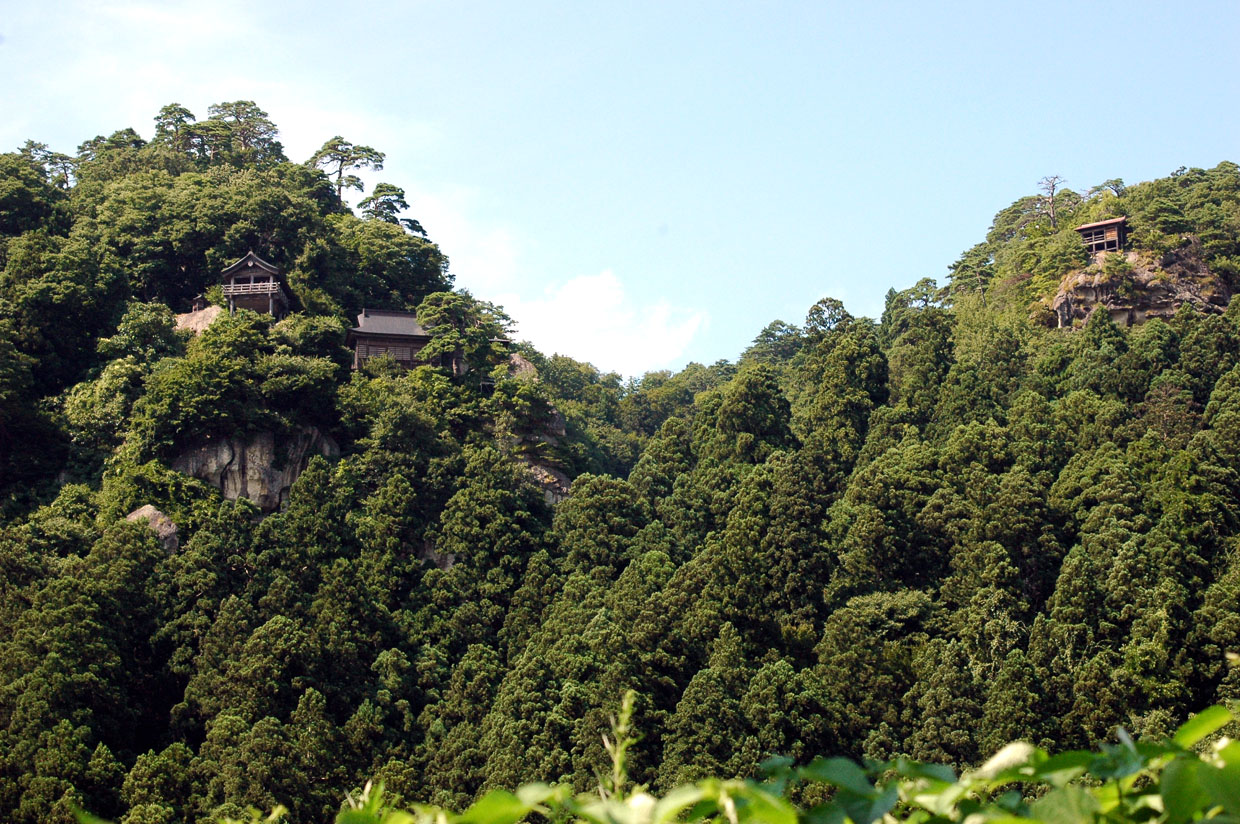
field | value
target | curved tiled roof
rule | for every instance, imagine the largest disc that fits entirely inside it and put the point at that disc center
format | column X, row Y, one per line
column 249, row 260
column 389, row 322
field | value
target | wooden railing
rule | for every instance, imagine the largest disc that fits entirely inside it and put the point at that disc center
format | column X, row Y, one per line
column 251, row 288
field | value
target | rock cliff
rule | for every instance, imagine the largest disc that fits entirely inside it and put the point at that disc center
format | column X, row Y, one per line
column 1137, row 286
column 533, row 445
column 260, row 468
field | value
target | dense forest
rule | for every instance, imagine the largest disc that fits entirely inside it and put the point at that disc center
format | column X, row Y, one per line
column 922, row 536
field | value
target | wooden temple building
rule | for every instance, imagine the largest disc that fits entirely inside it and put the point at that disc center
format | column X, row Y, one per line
column 1105, row 235
column 387, row 332
column 399, row 336
column 253, row 283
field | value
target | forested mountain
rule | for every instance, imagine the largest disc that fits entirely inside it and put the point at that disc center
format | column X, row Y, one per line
column 926, row 535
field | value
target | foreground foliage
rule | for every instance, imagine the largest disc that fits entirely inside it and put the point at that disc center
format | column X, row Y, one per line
column 1178, row 780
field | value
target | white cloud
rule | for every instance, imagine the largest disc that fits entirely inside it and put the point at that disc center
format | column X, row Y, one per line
column 483, row 257
column 592, row 318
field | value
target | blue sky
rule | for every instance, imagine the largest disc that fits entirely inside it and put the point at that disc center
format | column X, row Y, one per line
column 642, row 184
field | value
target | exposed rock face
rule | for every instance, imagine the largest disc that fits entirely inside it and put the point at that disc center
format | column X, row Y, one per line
column 555, row 484
column 261, row 469
column 160, row 524
column 542, row 440
column 443, row 560
column 521, row 369
column 196, row 322
column 1153, row 288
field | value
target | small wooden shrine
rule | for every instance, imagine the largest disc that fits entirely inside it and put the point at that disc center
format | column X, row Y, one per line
column 387, row 332
column 1105, row 235
column 253, row 283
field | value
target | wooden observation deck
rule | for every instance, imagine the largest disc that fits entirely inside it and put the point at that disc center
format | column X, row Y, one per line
column 253, row 283
column 1105, row 235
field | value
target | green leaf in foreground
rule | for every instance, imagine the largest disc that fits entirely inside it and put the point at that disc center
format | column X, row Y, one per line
column 756, row 805
column 1066, row 805
column 840, row 772
column 1181, row 790
column 1204, row 723
column 1222, row 784
column 496, row 807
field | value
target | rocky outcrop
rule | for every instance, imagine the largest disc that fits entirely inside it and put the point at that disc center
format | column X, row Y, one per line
column 554, row 482
column 160, row 524
column 521, row 369
column 198, row 321
column 1140, row 287
column 533, row 446
column 260, row 468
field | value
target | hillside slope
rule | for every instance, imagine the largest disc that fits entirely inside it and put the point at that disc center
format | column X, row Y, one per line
column 926, row 535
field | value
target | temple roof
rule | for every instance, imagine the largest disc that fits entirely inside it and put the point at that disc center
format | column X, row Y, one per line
column 1112, row 222
column 249, row 261
column 389, row 322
